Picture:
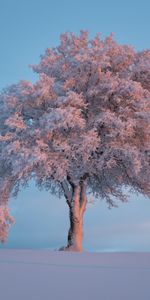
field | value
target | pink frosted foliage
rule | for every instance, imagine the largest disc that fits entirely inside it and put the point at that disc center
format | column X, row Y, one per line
column 5, row 222
column 86, row 118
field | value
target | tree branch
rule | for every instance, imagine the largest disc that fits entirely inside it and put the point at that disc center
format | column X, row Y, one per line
column 67, row 192
column 83, row 196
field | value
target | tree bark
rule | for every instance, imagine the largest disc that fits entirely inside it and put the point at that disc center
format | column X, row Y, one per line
column 77, row 206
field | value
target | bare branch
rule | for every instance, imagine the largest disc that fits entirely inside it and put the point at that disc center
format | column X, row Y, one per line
column 67, row 192
column 83, row 196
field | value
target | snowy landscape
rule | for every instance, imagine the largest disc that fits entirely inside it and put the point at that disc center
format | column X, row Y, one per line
column 41, row 275
column 74, row 150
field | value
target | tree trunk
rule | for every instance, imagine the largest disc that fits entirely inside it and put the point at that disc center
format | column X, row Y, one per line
column 77, row 206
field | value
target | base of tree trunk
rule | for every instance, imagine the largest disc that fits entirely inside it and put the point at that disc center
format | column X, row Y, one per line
column 70, row 248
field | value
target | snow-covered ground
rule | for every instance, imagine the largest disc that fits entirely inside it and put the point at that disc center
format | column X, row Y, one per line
column 47, row 275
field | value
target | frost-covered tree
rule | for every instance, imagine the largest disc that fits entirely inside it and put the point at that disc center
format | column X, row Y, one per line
column 83, row 127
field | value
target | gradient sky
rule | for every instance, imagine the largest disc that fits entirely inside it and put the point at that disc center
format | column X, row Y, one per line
column 27, row 28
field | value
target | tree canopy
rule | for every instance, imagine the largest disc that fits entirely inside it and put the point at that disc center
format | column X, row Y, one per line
column 86, row 121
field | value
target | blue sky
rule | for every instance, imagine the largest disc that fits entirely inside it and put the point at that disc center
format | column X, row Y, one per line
column 27, row 28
